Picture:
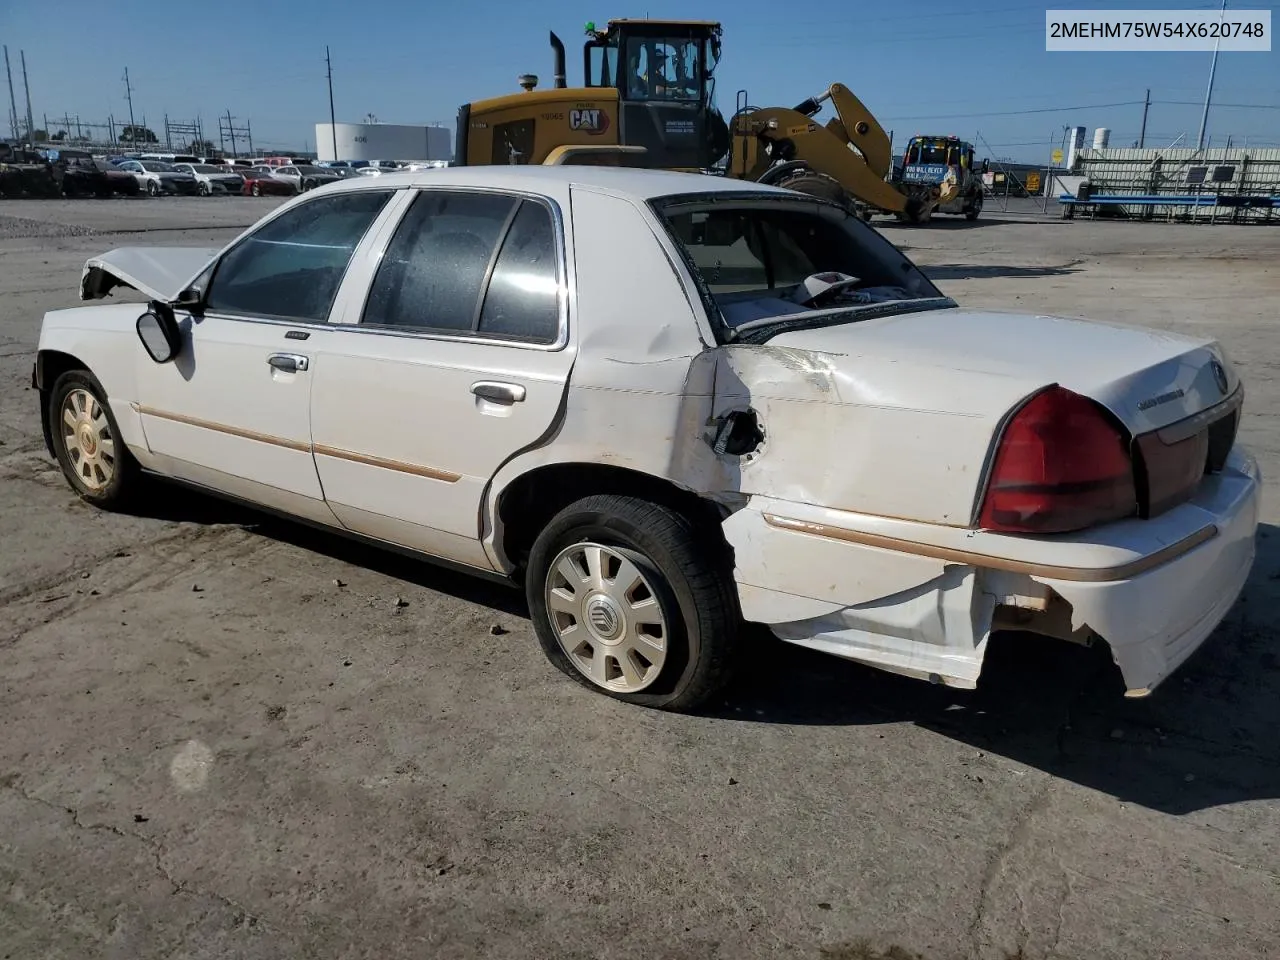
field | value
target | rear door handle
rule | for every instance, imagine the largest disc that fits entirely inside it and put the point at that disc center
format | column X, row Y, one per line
column 497, row 391
column 288, row 362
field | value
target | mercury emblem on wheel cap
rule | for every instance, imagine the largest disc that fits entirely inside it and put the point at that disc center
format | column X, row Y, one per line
column 1219, row 375
column 603, row 618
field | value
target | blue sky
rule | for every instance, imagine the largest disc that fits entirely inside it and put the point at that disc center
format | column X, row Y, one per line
column 926, row 67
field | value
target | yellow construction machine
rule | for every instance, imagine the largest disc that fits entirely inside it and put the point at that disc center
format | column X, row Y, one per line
column 648, row 100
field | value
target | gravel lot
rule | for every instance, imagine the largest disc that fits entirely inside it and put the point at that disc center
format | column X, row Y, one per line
column 230, row 737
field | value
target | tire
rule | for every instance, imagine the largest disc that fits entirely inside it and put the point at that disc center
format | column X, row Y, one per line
column 975, row 208
column 203, row 189
column 153, row 189
column 685, row 589
column 819, row 185
column 98, row 465
column 256, row 189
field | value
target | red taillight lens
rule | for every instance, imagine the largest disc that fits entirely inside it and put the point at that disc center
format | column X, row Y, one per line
column 1061, row 466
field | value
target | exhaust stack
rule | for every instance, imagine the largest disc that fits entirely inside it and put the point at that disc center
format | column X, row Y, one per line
column 558, row 49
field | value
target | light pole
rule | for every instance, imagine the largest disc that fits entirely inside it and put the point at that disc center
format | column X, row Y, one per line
column 1208, row 94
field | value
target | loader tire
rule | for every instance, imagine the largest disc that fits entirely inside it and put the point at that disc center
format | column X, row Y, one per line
column 821, row 186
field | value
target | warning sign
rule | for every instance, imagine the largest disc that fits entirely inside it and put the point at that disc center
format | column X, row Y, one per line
column 1057, row 155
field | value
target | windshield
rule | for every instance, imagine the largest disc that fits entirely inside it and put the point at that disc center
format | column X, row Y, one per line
column 207, row 168
column 757, row 260
column 663, row 68
column 310, row 170
column 925, row 152
column 155, row 166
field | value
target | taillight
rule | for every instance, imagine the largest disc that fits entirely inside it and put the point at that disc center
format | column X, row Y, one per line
column 1061, row 465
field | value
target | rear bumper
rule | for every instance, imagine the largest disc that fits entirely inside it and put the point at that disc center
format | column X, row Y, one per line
column 919, row 599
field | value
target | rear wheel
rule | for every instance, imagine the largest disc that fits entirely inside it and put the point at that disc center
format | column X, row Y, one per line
column 256, row 189
column 971, row 212
column 87, row 441
column 153, row 189
column 203, row 189
column 627, row 599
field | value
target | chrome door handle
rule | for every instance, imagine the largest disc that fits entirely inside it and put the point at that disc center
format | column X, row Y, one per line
column 288, row 362
column 498, row 392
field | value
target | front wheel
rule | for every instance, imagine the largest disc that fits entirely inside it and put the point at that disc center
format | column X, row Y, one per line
column 203, row 189
column 821, row 186
column 975, row 208
column 87, row 441
column 256, row 190
column 628, row 599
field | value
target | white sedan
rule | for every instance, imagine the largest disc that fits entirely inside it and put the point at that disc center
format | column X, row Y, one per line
column 666, row 404
column 213, row 179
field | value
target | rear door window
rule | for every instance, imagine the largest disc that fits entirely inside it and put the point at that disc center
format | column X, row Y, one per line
column 480, row 264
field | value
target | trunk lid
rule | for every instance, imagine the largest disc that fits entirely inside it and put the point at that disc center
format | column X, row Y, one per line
column 1148, row 379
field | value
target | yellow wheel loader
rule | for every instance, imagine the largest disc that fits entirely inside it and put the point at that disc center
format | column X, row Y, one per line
column 648, row 100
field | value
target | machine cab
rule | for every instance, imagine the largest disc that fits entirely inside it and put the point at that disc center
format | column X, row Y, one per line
column 662, row 71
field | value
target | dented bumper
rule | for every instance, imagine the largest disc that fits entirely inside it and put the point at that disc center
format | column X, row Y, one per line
column 922, row 599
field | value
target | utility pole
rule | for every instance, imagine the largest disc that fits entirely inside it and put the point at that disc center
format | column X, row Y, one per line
column 128, row 95
column 1208, row 94
column 27, row 89
column 249, row 133
column 333, row 125
column 232, row 131
column 1146, row 105
column 13, row 104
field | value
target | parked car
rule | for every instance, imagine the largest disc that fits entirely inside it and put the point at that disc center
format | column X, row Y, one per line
column 212, row 179
column 157, row 177
column 260, row 182
column 305, row 177
column 667, row 403
column 85, row 176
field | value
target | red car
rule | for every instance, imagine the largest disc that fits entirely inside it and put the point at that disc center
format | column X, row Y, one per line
column 258, row 183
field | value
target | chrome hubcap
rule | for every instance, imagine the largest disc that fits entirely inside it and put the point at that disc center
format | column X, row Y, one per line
column 86, row 434
column 607, row 616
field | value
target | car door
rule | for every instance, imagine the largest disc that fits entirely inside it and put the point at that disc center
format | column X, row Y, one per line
column 232, row 411
column 453, row 355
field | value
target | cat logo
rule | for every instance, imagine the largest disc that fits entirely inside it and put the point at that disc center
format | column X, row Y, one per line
column 589, row 120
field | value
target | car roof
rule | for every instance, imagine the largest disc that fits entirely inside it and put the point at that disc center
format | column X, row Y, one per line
column 630, row 182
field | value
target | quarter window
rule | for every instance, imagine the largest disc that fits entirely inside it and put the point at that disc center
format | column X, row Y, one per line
column 523, row 299
column 290, row 269
column 470, row 263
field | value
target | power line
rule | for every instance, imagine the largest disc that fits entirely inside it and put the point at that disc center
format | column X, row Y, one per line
column 1020, row 113
column 1234, row 106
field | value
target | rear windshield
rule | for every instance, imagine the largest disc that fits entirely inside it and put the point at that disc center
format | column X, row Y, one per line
column 754, row 258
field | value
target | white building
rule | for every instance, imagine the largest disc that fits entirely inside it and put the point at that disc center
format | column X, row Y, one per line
column 383, row 141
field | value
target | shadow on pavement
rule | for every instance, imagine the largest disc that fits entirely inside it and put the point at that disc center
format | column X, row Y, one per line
column 1205, row 738
column 970, row 271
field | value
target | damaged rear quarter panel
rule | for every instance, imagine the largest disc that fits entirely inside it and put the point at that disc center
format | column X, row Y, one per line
column 864, row 434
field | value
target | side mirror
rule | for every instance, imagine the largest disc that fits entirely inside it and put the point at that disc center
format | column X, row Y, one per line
column 986, row 166
column 159, row 333
column 189, row 297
